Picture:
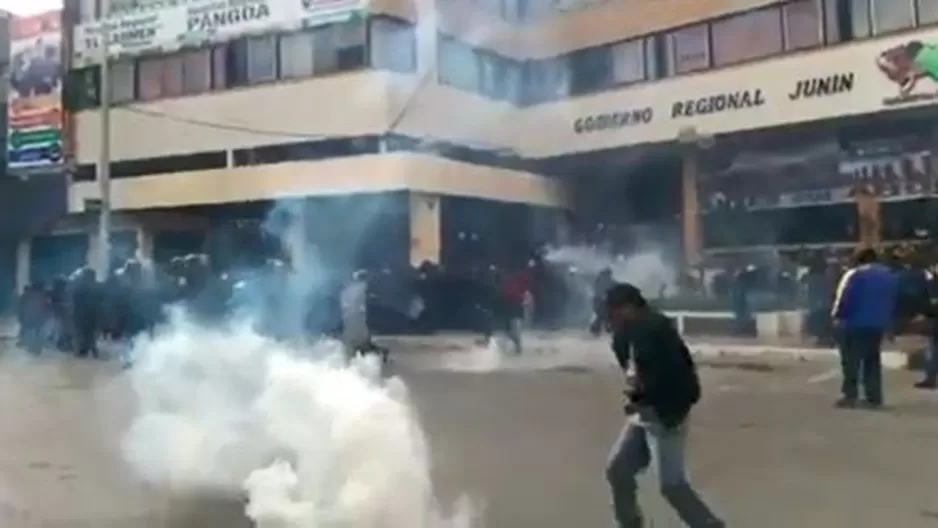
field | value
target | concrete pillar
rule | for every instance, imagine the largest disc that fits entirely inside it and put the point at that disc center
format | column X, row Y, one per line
column 425, row 229
column 869, row 216
column 23, row 264
column 144, row 244
column 690, row 210
column 92, row 256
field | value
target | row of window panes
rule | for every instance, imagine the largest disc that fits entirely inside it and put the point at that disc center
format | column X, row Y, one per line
column 794, row 25
column 739, row 38
column 876, row 17
column 480, row 71
column 517, row 11
column 254, row 60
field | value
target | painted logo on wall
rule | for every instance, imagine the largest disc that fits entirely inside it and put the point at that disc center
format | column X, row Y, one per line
column 913, row 67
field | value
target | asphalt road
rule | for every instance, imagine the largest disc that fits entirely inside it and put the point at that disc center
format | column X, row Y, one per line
column 528, row 441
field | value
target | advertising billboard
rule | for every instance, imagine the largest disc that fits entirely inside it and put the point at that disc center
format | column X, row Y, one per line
column 34, row 105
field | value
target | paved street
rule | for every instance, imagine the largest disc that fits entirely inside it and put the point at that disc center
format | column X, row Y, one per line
column 528, row 438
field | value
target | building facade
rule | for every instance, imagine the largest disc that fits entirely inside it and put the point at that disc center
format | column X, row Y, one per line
column 443, row 122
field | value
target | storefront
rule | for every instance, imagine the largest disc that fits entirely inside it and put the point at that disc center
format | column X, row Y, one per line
column 827, row 146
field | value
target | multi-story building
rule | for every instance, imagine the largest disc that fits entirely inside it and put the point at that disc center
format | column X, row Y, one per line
column 436, row 129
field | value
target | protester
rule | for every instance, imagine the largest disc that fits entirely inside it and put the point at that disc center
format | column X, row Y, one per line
column 863, row 312
column 601, row 286
column 32, row 313
column 662, row 388
column 87, row 301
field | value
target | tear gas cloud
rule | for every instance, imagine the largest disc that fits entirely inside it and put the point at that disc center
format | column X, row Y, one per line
column 309, row 441
column 648, row 269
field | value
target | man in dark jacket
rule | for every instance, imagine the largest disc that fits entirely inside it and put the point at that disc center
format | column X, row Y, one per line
column 864, row 310
column 86, row 303
column 662, row 388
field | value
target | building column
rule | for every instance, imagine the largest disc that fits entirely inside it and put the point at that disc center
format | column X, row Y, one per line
column 92, row 256
column 144, row 244
column 23, row 265
column 692, row 228
column 870, row 225
column 425, row 229
column 296, row 238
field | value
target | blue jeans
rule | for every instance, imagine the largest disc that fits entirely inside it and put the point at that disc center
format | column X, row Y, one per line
column 645, row 441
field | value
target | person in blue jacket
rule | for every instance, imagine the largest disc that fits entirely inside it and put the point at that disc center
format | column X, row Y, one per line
column 863, row 311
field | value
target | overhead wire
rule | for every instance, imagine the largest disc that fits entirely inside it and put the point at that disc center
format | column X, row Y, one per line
column 231, row 127
column 405, row 109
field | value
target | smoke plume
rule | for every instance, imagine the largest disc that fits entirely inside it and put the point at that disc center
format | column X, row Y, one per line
column 648, row 269
column 308, row 441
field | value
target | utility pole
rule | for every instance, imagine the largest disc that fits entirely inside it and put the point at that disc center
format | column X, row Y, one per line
column 104, row 144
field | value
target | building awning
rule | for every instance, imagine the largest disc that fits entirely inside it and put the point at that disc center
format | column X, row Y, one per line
column 32, row 204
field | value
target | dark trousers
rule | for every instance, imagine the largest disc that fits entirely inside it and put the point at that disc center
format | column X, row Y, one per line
column 931, row 360
column 861, row 356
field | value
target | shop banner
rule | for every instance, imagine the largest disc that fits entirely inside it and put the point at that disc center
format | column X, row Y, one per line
column 34, row 106
column 200, row 22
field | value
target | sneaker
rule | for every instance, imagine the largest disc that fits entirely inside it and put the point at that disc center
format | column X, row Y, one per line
column 846, row 403
column 927, row 384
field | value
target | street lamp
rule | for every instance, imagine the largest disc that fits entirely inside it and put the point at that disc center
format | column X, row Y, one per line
column 104, row 144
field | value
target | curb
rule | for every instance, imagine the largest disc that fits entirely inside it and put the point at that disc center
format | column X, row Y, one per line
column 891, row 359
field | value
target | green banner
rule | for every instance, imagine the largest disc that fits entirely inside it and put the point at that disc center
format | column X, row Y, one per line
column 38, row 137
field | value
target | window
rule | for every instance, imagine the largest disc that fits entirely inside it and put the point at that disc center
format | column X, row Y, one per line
column 196, row 71
column 459, row 66
column 123, row 87
column 324, row 54
column 860, row 18
column 688, row 49
column 261, row 59
column 802, row 20
column 590, row 69
column 350, row 44
column 833, row 21
column 547, row 80
column 393, row 45
column 159, row 77
column 220, row 67
column 748, row 36
column 489, row 78
column 172, row 76
column 512, row 80
column 296, row 55
column 927, row 11
column 654, row 57
column 628, row 61
column 891, row 15
column 236, row 63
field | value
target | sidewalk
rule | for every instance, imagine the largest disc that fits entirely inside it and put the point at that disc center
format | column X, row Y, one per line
column 895, row 354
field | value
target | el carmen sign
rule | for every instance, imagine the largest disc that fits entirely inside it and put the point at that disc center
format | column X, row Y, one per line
column 201, row 22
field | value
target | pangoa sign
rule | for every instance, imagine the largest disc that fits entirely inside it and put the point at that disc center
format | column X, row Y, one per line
column 200, row 22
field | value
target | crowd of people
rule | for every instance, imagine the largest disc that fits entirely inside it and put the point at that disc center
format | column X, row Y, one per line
column 75, row 314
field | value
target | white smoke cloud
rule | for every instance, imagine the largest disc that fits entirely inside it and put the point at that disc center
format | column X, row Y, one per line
column 308, row 441
column 647, row 269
